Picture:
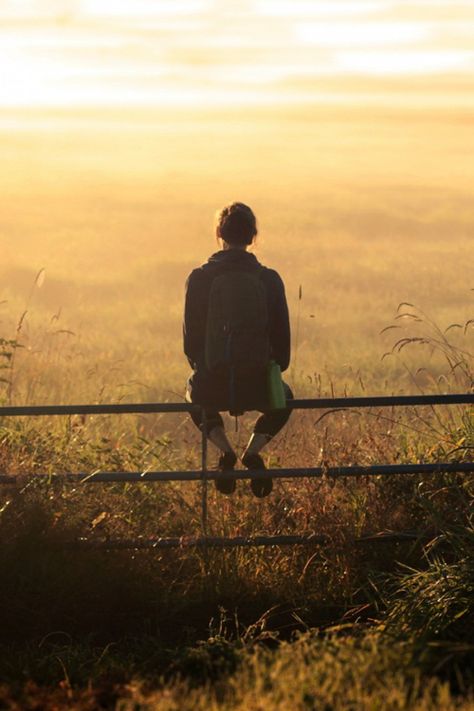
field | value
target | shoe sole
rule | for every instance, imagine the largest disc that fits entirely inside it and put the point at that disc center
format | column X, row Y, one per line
column 262, row 487
column 225, row 486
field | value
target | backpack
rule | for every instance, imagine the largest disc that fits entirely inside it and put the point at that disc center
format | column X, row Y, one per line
column 237, row 322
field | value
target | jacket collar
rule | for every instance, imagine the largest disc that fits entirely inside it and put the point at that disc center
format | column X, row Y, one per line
column 233, row 256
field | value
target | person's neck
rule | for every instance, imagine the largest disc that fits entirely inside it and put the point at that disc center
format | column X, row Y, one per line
column 240, row 247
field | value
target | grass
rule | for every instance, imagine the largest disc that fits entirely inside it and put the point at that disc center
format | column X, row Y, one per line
column 338, row 626
column 332, row 626
column 122, row 216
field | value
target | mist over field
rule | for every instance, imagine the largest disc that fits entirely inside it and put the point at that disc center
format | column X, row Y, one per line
column 362, row 208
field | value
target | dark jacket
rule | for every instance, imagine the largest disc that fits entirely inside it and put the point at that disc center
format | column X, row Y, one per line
column 211, row 388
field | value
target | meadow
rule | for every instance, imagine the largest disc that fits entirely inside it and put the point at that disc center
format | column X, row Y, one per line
column 368, row 216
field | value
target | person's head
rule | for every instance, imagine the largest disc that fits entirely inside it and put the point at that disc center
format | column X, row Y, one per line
column 236, row 225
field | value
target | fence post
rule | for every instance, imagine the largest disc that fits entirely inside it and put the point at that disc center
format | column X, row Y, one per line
column 204, row 472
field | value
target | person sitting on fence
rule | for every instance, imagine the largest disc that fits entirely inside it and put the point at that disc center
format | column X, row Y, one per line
column 235, row 323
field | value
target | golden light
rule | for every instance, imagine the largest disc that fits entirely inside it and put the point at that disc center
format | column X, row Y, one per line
column 408, row 63
column 362, row 34
column 288, row 8
column 142, row 8
column 176, row 52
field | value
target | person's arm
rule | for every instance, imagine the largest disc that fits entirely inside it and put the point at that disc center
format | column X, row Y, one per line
column 194, row 324
column 279, row 322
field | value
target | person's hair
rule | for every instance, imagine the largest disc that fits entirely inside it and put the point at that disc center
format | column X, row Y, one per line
column 236, row 224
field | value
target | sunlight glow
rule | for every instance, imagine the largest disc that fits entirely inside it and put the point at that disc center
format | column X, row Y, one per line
column 414, row 62
column 361, row 34
column 343, row 8
column 143, row 8
column 100, row 52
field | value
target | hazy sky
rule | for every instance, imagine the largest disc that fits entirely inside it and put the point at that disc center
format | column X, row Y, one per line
column 202, row 52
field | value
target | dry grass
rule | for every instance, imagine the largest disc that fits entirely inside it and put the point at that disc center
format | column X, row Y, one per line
column 118, row 218
column 117, row 225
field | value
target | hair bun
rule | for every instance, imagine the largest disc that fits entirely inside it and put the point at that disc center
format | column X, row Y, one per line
column 236, row 224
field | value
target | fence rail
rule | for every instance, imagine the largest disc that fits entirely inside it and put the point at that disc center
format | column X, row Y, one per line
column 335, row 404
column 284, row 473
column 206, row 542
column 326, row 403
column 312, row 539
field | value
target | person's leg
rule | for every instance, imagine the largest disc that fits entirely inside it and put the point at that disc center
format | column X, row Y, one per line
column 216, row 434
column 218, row 437
column 266, row 427
column 215, row 429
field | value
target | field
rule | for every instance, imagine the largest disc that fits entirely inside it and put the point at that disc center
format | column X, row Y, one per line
column 368, row 215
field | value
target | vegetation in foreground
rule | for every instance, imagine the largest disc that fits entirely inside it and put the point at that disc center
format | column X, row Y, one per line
column 343, row 625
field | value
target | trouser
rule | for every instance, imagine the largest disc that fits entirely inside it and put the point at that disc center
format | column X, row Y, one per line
column 269, row 423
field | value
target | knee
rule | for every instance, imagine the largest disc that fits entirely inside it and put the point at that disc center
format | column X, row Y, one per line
column 214, row 421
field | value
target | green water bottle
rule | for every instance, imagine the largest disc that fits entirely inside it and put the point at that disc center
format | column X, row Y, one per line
column 276, row 392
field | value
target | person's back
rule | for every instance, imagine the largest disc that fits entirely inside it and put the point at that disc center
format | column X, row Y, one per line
column 235, row 321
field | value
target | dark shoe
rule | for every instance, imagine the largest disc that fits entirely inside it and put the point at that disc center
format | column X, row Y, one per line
column 227, row 462
column 262, row 486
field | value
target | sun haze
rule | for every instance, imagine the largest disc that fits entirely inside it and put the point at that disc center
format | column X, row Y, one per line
column 100, row 53
column 124, row 125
